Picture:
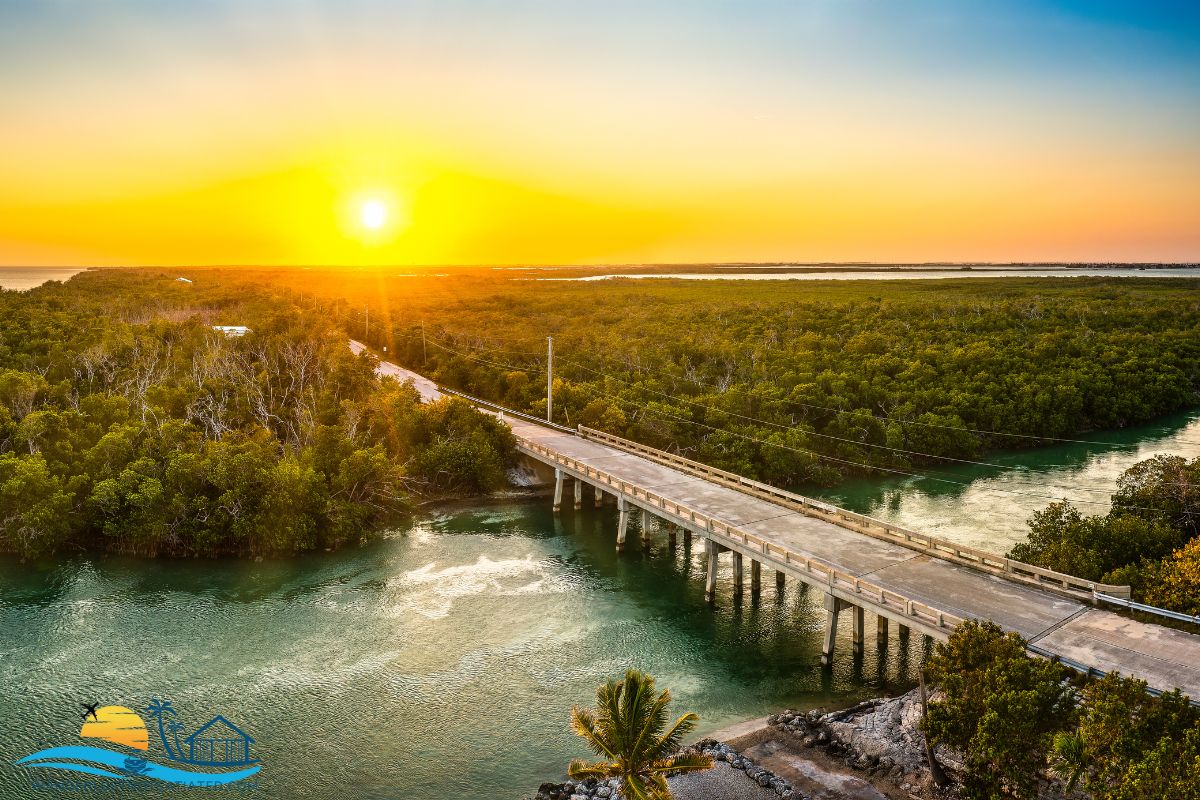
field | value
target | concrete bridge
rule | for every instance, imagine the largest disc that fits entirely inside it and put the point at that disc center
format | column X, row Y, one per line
column 861, row 565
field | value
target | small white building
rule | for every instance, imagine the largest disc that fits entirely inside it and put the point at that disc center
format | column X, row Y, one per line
column 232, row 331
column 184, row 280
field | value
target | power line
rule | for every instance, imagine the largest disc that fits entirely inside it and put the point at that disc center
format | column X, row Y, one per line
column 882, row 417
column 814, row 452
column 868, row 466
column 845, row 440
column 1103, row 490
column 512, row 367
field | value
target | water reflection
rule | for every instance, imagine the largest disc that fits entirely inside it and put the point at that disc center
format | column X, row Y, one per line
column 988, row 508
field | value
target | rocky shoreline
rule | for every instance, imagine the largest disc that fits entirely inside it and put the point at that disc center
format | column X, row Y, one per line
column 873, row 749
column 879, row 739
column 592, row 789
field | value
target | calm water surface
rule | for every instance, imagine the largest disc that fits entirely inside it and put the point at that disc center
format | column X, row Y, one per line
column 436, row 664
column 22, row 278
column 988, row 508
column 900, row 275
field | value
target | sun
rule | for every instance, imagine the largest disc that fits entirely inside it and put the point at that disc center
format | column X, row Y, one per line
column 117, row 724
column 373, row 214
column 374, row 217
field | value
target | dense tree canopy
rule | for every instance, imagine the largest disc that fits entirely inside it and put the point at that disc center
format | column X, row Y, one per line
column 1015, row 717
column 1148, row 540
column 128, row 423
column 1001, row 708
column 800, row 382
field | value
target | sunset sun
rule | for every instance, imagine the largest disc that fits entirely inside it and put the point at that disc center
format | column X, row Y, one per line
column 373, row 215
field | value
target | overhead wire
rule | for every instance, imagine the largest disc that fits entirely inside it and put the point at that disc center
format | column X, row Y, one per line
column 866, row 466
column 786, row 428
column 885, row 417
column 1107, row 490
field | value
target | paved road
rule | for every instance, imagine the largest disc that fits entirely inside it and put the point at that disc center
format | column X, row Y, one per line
column 1163, row 657
column 427, row 388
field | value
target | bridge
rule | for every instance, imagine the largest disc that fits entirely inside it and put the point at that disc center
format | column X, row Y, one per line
column 861, row 565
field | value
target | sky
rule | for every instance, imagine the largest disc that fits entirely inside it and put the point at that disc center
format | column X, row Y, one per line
column 373, row 132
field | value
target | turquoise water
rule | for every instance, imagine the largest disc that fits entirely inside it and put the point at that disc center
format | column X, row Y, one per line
column 988, row 508
column 441, row 662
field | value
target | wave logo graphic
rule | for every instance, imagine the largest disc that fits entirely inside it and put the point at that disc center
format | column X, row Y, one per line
column 221, row 748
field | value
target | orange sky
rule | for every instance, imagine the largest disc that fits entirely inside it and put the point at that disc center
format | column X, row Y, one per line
column 535, row 133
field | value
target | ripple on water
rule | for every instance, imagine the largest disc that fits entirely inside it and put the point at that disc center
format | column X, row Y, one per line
column 429, row 665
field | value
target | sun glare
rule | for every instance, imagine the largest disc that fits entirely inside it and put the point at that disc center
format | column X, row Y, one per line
column 373, row 215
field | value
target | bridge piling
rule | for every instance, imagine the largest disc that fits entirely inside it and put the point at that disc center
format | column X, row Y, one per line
column 821, row 544
column 856, row 616
column 737, row 574
column 672, row 529
column 645, row 528
column 711, row 549
column 881, row 631
column 832, row 606
column 623, row 523
column 755, row 578
column 578, row 494
column 599, row 496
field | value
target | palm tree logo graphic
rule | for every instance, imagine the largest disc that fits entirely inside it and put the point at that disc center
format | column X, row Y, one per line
column 159, row 710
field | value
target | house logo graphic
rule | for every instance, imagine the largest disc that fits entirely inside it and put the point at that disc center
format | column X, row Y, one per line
column 217, row 753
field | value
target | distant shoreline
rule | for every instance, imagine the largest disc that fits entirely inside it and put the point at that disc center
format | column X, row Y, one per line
column 672, row 266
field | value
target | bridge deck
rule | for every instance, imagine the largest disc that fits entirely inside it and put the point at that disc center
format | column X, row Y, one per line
column 1163, row 657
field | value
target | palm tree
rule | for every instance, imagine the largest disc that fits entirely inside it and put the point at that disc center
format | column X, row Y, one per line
column 628, row 728
column 159, row 709
column 1068, row 759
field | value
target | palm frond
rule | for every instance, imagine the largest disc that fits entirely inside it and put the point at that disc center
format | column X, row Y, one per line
column 659, row 790
column 683, row 762
column 594, row 731
column 670, row 741
column 581, row 770
column 656, row 717
column 629, row 727
column 634, row 788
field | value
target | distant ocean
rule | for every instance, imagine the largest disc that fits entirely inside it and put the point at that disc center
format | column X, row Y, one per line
column 22, row 278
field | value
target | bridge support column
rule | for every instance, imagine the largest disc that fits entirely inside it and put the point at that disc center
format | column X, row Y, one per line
column 711, row 549
column 672, row 530
column 779, row 579
column 599, row 496
column 881, row 631
column 755, row 578
column 737, row 574
column 832, row 606
column 856, row 616
column 645, row 528
column 578, row 493
column 622, row 523
column 558, row 487
column 687, row 537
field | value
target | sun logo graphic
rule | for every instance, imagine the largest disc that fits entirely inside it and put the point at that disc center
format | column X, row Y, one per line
column 216, row 753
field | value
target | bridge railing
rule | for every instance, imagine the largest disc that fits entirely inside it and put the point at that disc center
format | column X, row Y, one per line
column 1002, row 566
column 866, row 592
column 478, row 401
column 1128, row 604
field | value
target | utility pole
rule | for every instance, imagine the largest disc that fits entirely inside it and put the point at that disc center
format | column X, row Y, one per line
column 424, row 355
column 366, row 324
column 549, row 379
